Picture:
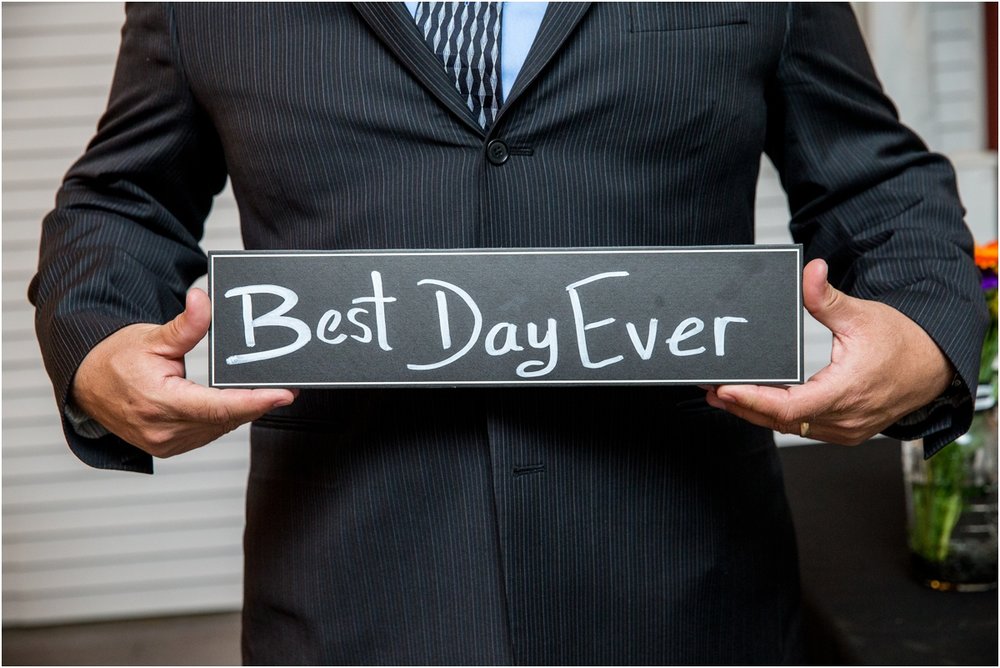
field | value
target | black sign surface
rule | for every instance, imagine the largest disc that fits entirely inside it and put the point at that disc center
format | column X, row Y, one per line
column 598, row 316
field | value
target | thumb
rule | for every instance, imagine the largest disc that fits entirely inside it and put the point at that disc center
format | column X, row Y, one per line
column 180, row 335
column 831, row 307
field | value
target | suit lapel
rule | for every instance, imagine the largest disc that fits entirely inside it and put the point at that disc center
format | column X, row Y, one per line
column 392, row 22
column 395, row 27
column 557, row 25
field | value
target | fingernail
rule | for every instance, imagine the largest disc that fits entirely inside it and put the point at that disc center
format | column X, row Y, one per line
column 714, row 401
column 280, row 403
column 727, row 399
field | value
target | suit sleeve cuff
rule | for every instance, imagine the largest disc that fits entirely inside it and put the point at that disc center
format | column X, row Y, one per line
column 83, row 424
column 939, row 422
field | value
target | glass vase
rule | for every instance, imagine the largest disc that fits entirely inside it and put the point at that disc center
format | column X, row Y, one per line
column 951, row 503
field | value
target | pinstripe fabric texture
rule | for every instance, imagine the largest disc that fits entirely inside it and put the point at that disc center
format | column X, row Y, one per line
column 607, row 526
column 466, row 37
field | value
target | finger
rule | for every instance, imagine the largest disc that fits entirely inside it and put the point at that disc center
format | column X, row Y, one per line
column 819, row 431
column 179, row 336
column 212, row 405
column 836, row 421
column 784, row 424
column 774, row 404
column 829, row 432
column 837, row 311
column 759, row 419
column 783, row 406
column 227, row 407
column 747, row 405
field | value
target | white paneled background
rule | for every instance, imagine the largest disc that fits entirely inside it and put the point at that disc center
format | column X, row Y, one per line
column 929, row 57
column 81, row 544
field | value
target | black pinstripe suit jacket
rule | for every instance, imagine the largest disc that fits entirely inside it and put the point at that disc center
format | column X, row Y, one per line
column 495, row 526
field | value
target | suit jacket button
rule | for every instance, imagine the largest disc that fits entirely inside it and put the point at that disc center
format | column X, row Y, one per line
column 497, row 152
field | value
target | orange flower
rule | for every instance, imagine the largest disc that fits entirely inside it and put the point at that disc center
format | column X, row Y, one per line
column 986, row 255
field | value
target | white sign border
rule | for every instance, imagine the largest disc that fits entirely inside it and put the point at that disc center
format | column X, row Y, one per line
column 793, row 248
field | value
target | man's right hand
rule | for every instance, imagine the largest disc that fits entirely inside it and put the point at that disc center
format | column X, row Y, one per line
column 133, row 384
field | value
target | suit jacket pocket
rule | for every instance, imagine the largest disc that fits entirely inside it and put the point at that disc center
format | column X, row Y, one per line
column 672, row 16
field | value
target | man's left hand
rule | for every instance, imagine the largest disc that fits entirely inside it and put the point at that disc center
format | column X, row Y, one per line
column 883, row 366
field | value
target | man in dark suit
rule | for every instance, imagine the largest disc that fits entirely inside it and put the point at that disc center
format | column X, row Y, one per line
column 600, row 525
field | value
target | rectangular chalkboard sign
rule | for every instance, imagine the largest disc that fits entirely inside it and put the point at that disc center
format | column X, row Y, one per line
column 584, row 316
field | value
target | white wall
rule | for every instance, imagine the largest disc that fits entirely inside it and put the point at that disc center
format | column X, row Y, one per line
column 80, row 543
column 84, row 544
column 929, row 58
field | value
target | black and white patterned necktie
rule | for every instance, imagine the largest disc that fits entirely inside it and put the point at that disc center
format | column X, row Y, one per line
column 466, row 37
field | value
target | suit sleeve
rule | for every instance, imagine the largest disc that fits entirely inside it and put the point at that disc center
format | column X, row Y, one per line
column 865, row 194
column 122, row 244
